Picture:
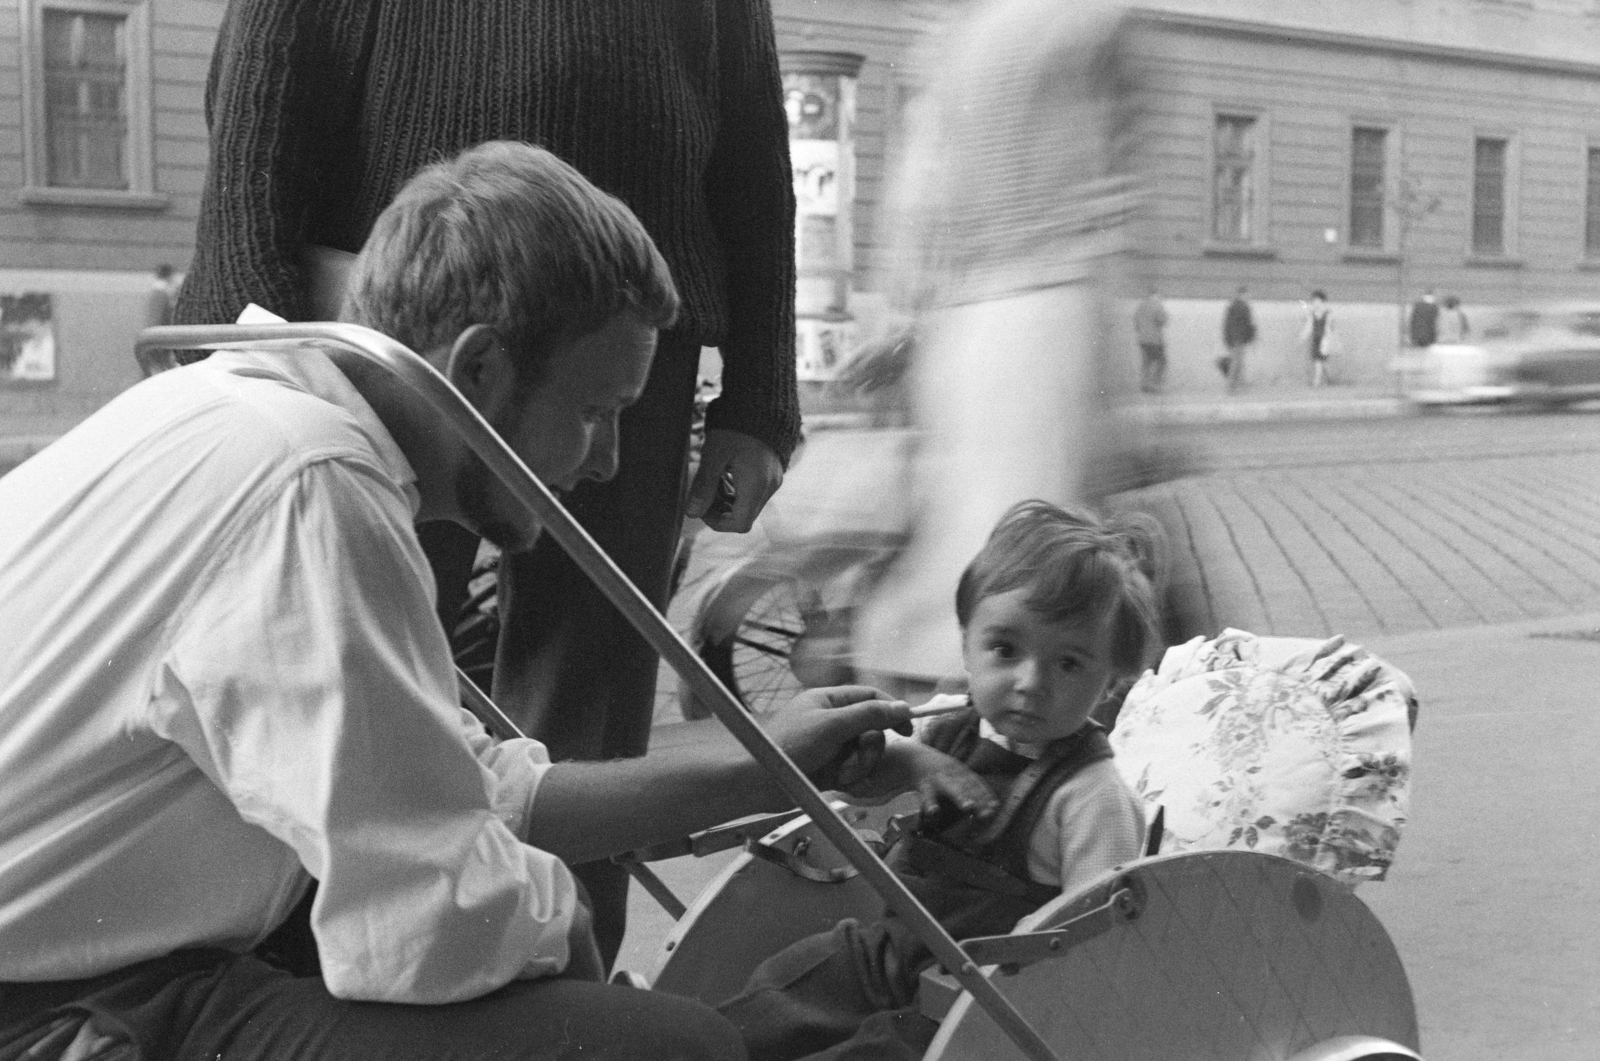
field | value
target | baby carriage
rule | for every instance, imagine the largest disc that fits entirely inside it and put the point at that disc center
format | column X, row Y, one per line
column 1200, row 953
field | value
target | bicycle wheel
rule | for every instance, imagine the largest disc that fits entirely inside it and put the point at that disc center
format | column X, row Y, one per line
column 754, row 660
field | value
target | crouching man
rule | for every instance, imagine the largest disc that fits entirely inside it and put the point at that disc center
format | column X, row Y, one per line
column 221, row 677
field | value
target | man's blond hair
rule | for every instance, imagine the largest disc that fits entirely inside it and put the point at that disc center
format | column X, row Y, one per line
column 506, row 234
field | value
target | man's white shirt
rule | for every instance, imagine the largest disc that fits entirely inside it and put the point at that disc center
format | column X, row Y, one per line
column 220, row 668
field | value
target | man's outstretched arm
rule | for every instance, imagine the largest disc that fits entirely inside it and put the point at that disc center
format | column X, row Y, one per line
column 704, row 777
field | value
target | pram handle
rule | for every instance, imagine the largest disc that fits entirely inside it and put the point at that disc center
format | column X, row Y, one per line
column 538, row 503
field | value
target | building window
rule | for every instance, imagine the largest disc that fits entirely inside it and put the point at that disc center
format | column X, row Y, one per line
column 85, row 99
column 1489, row 195
column 87, row 123
column 1591, row 228
column 1368, row 149
column 1234, row 177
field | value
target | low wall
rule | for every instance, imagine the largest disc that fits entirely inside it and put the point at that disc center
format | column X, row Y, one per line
column 95, row 317
column 1368, row 336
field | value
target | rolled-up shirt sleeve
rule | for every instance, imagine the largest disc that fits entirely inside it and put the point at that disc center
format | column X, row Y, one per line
column 310, row 681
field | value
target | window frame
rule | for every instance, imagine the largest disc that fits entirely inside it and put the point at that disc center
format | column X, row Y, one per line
column 1389, row 247
column 1260, row 214
column 138, row 95
column 1510, row 195
column 1589, row 167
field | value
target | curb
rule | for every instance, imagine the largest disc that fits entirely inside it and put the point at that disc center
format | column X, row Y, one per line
column 1284, row 409
column 1177, row 413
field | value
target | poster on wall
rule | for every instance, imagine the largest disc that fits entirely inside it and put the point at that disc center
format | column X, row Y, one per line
column 27, row 338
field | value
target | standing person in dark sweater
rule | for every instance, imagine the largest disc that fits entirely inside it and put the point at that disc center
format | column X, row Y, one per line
column 1238, row 332
column 320, row 109
column 1423, row 326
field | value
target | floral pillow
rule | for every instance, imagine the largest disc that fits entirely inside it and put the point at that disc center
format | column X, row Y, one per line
column 1297, row 747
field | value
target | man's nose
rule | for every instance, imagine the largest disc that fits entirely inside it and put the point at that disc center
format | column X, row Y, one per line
column 603, row 459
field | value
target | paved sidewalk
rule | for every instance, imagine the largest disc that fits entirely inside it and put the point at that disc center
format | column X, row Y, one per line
column 1494, row 894
column 1493, row 897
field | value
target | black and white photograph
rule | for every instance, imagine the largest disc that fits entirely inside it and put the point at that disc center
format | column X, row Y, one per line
column 799, row 530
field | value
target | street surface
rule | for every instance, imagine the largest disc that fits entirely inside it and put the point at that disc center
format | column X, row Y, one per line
column 1464, row 548
column 1420, row 537
column 1388, row 526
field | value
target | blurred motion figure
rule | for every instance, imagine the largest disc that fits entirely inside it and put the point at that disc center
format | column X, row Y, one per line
column 1013, row 201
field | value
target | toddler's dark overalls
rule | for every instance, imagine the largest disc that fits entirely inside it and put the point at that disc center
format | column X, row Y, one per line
column 852, row 992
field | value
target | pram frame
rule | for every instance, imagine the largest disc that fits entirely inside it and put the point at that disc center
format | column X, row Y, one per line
column 152, row 349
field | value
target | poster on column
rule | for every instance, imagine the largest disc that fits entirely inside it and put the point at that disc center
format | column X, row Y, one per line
column 816, row 176
column 27, row 338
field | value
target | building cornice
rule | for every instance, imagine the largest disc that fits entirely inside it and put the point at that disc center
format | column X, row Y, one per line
column 1163, row 18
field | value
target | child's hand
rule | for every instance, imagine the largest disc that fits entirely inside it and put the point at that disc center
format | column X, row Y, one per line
column 942, row 779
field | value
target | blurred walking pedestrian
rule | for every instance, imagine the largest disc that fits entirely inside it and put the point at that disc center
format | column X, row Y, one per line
column 1149, row 329
column 1238, row 332
column 1453, row 326
column 1318, row 337
column 1424, row 325
column 1013, row 199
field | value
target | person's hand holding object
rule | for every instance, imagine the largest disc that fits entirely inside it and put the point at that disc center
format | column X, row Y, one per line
column 835, row 735
column 738, row 473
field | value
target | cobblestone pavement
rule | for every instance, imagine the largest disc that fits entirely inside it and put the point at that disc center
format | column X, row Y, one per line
column 1388, row 547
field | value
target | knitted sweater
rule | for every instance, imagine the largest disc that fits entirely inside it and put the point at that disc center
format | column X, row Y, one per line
column 320, row 110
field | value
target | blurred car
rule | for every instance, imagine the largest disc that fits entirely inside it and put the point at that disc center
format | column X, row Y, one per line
column 1538, row 355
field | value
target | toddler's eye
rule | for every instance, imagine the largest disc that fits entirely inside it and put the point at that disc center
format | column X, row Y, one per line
column 1002, row 649
column 1069, row 664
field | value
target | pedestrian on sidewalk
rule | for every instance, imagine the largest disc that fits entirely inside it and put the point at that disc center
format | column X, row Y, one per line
column 1424, row 325
column 1238, row 332
column 1453, row 326
column 1149, row 329
column 1318, row 336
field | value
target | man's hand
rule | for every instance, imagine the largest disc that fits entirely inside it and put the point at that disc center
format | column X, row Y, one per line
column 701, row 776
column 753, row 474
column 836, row 735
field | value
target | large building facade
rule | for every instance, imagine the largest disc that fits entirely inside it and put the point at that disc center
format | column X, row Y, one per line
column 102, row 155
column 1372, row 149
column 1369, row 148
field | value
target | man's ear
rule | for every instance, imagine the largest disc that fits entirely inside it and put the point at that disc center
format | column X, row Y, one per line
column 479, row 366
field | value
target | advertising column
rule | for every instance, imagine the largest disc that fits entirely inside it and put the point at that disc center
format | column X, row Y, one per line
column 819, row 95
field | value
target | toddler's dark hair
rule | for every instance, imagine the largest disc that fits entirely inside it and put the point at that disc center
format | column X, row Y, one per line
column 1078, row 565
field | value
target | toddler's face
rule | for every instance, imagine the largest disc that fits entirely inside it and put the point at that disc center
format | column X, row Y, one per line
column 1033, row 678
